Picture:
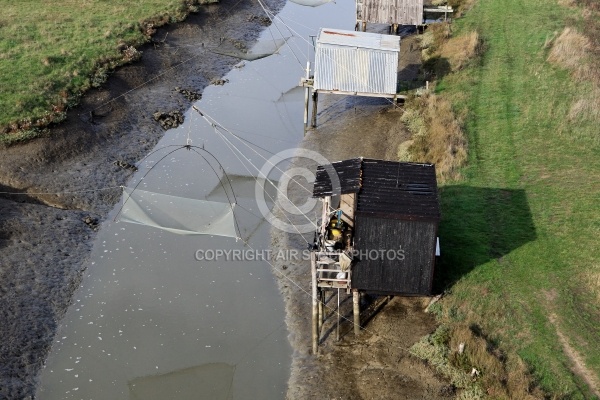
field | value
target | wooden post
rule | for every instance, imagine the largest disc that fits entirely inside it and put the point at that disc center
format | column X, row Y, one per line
column 364, row 26
column 315, row 306
column 337, row 327
column 306, row 92
column 356, row 311
column 315, row 99
column 321, row 314
column 394, row 29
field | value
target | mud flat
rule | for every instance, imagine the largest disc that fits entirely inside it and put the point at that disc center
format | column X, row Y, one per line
column 68, row 181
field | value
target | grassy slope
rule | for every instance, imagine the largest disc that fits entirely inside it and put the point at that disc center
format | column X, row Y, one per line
column 527, row 246
column 50, row 46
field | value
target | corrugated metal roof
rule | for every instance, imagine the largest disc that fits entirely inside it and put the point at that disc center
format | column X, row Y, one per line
column 356, row 62
column 366, row 40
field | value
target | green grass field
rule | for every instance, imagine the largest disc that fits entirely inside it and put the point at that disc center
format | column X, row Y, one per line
column 521, row 232
column 51, row 51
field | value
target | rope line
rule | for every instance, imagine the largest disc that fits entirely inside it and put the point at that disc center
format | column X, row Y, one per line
column 65, row 192
column 216, row 124
column 278, row 30
column 230, row 145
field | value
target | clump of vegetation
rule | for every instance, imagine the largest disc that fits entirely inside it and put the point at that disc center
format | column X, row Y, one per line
column 434, row 349
column 21, row 136
column 474, row 364
column 50, row 55
column 579, row 54
column 443, row 54
column 572, row 50
column 437, row 136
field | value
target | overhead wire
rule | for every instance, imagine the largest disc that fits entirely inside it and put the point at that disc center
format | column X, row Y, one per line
column 276, row 27
column 246, row 142
column 231, row 146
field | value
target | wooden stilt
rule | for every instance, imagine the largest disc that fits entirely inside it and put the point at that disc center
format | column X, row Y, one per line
column 321, row 315
column 315, row 99
column 337, row 327
column 315, row 306
column 306, row 97
column 356, row 311
column 394, row 29
column 364, row 26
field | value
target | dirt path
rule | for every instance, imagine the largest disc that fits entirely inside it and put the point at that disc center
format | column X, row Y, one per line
column 45, row 239
column 579, row 368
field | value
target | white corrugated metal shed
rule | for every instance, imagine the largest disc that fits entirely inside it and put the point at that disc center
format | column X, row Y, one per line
column 352, row 62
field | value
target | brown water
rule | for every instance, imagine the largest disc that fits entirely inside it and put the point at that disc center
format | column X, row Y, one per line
column 150, row 321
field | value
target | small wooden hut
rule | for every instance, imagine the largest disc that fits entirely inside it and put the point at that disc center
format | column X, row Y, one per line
column 390, row 12
column 378, row 231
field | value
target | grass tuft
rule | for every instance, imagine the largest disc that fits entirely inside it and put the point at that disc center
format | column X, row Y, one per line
column 572, row 50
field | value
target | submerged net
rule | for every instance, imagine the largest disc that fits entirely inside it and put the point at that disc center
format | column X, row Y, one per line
column 178, row 215
column 312, row 3
column 258, row 51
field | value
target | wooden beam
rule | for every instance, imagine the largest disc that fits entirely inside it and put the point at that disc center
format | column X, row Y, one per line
column 321, row 313
column 315, row 305
column 383, row 95
column 315, row 99
column 356, row 310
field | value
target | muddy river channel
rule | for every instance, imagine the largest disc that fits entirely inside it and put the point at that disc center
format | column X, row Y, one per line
column 160, row 316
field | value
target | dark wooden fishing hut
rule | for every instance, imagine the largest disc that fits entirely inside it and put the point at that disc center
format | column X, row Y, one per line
column 398, row 12
column 378, row 231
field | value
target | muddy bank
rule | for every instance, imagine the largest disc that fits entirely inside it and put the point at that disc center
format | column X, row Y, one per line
column 376, row 364
column 45, row 239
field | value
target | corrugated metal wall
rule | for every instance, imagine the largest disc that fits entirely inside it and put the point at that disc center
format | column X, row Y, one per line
column 413, row 274
column 403, row 12
column 352, row 69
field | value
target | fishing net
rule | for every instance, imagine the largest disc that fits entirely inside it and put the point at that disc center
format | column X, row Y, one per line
column 178, row 215
column 294, row 94
column 259, row 50
column 208, row 381
column 312, row 3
